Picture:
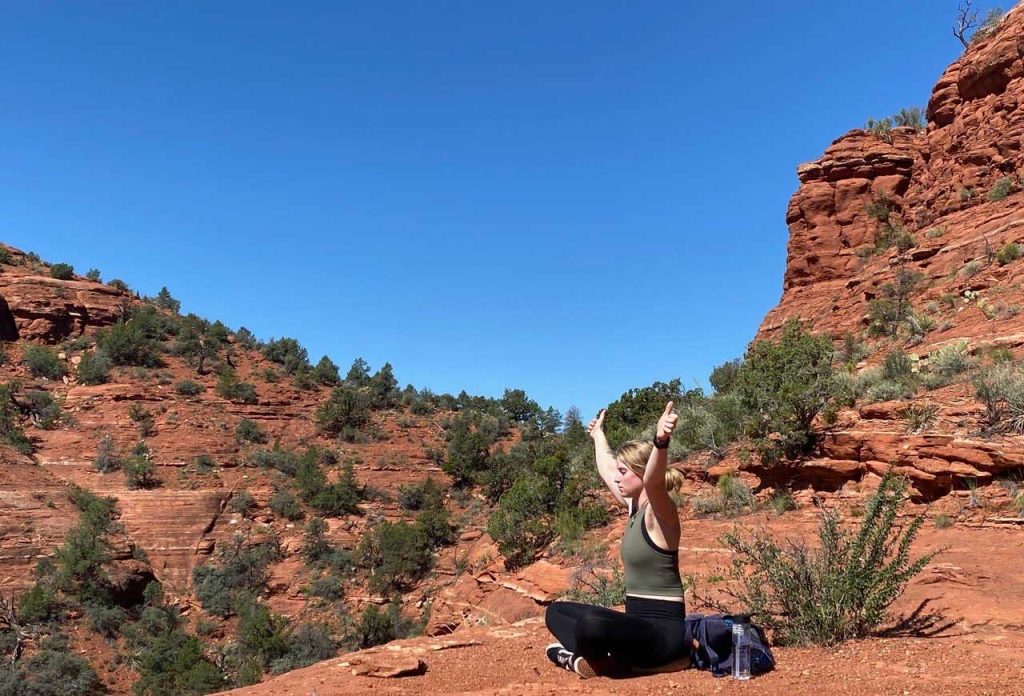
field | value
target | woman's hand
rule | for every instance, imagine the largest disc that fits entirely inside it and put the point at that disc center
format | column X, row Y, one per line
column 667, row 423
column 596, row 426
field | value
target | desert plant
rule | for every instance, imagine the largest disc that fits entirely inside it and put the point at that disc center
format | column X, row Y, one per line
column 106, row 456
column 249, row 431
column 286, row 352
column 732, row 497
column 187, row 387
column 838, row 591
column 10, row 427
column 237, row 575
column 782, row 501
column 44, row 410
column 347, row 407
column 590, row 586
column 784, row 384
column 919, row 417
column 377, row 627
column 1000, row 190
column 43, row 362
column 94, row 368
column 232, row 389
column 1009, row 253
column 93, row 274
column 972, row 268
column 396, row 554
column 1001, row 389
column 951, row 359
column 242, row 502
column 285, row 505
column 62, row 271
column 139, row 471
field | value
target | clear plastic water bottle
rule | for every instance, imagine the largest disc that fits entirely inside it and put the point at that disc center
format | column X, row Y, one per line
column 741, row 646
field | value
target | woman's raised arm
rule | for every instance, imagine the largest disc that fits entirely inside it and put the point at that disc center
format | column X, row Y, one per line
column 606, row 464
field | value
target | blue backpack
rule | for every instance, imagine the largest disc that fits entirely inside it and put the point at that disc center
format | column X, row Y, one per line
column 710, row 638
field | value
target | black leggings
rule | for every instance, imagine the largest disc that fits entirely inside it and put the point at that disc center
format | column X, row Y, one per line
column 649, row 634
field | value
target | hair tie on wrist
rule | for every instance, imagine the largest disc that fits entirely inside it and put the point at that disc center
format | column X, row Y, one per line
column 661, row 444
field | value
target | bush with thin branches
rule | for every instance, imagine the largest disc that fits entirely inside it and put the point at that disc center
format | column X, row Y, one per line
column 840, row 590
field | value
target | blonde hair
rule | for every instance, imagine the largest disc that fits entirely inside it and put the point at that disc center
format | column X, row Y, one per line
column 635, row 453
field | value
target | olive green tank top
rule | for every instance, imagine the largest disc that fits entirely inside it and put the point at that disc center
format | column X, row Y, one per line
column 648, row 569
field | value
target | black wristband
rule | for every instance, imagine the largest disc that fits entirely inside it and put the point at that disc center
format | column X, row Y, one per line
column 661, row 444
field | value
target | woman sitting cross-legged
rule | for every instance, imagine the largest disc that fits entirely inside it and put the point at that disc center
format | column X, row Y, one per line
column 596, row 640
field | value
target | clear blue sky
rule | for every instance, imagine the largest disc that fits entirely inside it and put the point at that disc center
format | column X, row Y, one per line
column 573, row 198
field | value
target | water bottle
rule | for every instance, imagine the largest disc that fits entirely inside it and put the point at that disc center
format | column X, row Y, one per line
column 741, row 646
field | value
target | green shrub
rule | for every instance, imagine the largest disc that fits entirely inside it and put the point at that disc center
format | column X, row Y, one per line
column 45, row 411
column 326, row 373
column 784, row 384
column 38, row 604
column 143, row 418
column 782, row 501
column 383, row 388
column 358, row 374
column 1009, row 253
column 435, row 521
column 106, row 456
column 286, row 352
column 94, row 368
column 93, row 274
column 10, row 427
column 889, row 390
column 347, row 407
column 139, row 471
column 242, row 502
column 470, row 437
column 893, row 234
column 239, row 574
column 598, row 588
column 204, row 464
column 282, row 460
column 5, row 256
column 951, row 359
column 164, row 300
column 732, row 497
column 168, row 660
column 285, row 505
column 520, row 525
column 920, row 417
column 942, row 521
column 377, row 627
column 396, row 554
column 232, row 389
column 119, row 285
column 53, row 671
column 972, row 268
column 1001, row 389
column 62, row 271
column 893, row 307
column 249, row 431
column 419, row 495
column 1000, row 190
column 327, row 587
column 897, row 366
column 43, row 362
column 106, row 621
column 839, row 591
column 187, row 387
column 309, row 643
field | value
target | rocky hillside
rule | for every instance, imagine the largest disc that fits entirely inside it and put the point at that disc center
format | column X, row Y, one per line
column 901, row 239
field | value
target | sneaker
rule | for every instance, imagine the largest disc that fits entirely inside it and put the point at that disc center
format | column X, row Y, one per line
column 583, row 668
column 560, row 656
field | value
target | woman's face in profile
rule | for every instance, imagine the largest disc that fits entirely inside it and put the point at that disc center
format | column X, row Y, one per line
column 629, row 484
